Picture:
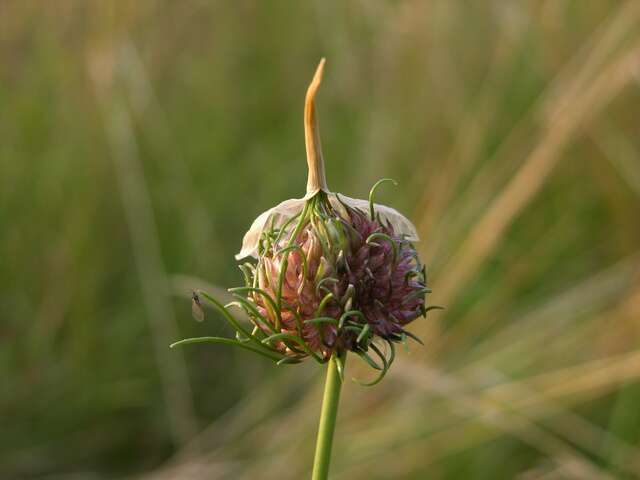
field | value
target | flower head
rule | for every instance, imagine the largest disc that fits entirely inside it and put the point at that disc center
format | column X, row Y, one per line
column 335, row 276
column 330, row 273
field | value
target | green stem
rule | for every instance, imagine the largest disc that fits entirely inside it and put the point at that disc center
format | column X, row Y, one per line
column 328, row 416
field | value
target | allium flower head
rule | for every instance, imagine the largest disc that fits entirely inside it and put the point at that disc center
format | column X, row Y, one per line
column 329, row 273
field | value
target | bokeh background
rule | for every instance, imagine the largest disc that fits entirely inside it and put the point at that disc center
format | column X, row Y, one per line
column 138, row 140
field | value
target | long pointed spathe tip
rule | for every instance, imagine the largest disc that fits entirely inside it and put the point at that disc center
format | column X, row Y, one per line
column 315, row 161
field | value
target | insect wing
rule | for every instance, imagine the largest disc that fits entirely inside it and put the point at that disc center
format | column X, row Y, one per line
column 196, row 308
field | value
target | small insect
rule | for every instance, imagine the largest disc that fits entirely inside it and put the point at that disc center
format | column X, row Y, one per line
column 196, row 307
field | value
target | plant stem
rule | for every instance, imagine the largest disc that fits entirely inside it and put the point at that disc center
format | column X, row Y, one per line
column 328, row 416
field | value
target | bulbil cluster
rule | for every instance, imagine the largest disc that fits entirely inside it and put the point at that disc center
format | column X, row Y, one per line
column 333, row 278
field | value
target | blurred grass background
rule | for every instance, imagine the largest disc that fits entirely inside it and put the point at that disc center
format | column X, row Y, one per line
column 138, row 140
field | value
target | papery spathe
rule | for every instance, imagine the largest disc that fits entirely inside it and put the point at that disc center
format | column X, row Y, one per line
column 278, row 215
